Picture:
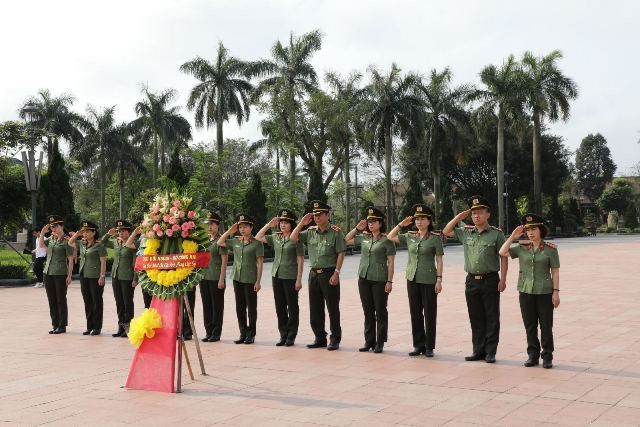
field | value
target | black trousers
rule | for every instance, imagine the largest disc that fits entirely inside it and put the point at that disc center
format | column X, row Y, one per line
column 285, row 297
column 92, row 296
column 212, row 307
column 423, row 306
column 537, row 309
column 483, row 304
column 38, row 269
column 56, row 287
column 147, row 297
column 246, row 308
column 186, row 325
column 374, row 305
column 123, row 293
column 321, row 293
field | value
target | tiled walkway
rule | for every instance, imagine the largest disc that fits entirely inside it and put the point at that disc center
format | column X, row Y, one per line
column 76, row 380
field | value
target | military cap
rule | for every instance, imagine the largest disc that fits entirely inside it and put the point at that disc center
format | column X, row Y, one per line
column 287, row 215
column 532, row 220
column 55, row 219
column 477, row 202
column 213, row 217
column 373, row 213
column 88, row 225
column 123, row 224
column 245, row 219
column 318, row 206
column 421, row 210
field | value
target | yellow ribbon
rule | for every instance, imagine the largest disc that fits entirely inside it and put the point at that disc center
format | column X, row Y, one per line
column 143, row 326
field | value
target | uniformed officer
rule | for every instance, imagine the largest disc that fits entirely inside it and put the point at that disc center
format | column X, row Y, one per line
column 482, row 262
column 213, row 284
column 326, row 248
column 138, row 244
column 375, row 276
column 286, row 273
column 248, row 256
column 57, row 272
column 92, row 270
column 122, row 273
column 424, row 276
column 538, row 285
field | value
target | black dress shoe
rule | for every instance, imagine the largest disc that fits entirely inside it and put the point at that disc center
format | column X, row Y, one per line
column 52, row 330
column 532, row 361
column 206, row 338
column 187, row 337
column 333, row 345
column 119, row 333
column 429, row 353
column 240, row 340
column 95, row 332
column 366, row 347
column 60, row 330
column 417, row 351
column 289, row 342
column 281, row 342
column 475, row 356
column 491, row 358
column 378, row 348
column 214, row 338
column 87, row 332
column 318, row 344
column 249, row 340
column 547, row 363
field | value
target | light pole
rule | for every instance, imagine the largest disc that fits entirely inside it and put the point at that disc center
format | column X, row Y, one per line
column 31, row 174
column 356, row 187
column 506, row 201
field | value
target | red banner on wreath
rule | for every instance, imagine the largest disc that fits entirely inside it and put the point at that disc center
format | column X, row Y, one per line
column 172, row 261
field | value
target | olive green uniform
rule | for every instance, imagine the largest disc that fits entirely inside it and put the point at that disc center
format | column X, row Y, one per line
column 89, row 274
column 372, row 279
column 323, row 248
column 482, row 263
column 421, row 281
column 536, row 289
column 212, row 297
column 55, row 276
column 122, row 275
column 245, row 274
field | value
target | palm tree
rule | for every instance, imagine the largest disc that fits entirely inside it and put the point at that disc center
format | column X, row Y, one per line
column 289, row 78
column 272, row 146
column 125, row 156
column 394, row 109
column 548, row 92
column 160, row 125
column 502, row 98
column 446, row 124
column 55, row 117
column 223, row 90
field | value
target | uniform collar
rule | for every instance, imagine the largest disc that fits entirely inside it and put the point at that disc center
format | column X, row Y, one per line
column 476, row 230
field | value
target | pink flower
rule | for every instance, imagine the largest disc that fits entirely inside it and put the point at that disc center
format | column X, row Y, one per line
column 166, row 218
column 191, row 214
column 185, row 234
column 155, row 217
column 192, row 224
column 172, row 220
column 156, row 227
column 155, row 209
column 181, row 214
column 176, row 203
column 150, row 234
column 185, row 226
column 159, row 233
column 169, row 232
column 175, row 227
column 145, row 223
column 173, row 209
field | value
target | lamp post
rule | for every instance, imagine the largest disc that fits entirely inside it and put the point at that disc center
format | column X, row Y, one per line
column 31, row 174
column 507, row 176
column 356, row 187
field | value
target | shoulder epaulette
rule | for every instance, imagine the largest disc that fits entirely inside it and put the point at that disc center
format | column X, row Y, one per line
column 495, row 228
column 313, row 227
column 551, row 245
column 525, row 243
column 412, row 232
column 433, row 233
column 469, row 226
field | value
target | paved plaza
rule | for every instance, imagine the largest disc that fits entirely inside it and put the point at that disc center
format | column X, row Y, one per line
column 72, row 379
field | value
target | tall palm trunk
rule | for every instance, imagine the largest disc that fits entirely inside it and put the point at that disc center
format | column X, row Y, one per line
column 162, row 155
column 537, row 163
column 155, row 159
column 434, row 157
column 49, row 148
column 103, row 180
column 277, row 177
column 121, row 189
column 500, row 169
column 387, row 174
column 219, row 148
column 347, row 181
column 292, row 170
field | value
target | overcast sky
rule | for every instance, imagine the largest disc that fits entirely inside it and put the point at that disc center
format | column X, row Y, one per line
column 102, row 52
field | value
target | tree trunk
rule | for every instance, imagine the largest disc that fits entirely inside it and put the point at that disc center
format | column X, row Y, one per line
column 537, row 160
column 347, row 181
column 121, row 188
column 277, row 178
column 387, row 175
column 292, row 170
column 49, row 150
column 500, row 170
column 219, row 149
column 316, row 185
column 162, row 156
column 155, row 159
column 103, row 180
column 436, row 193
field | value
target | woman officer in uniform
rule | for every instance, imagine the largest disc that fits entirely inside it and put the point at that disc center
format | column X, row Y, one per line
column 424, row 276
column 538, row 284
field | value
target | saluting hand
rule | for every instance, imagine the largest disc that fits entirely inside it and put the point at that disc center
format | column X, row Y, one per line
column 362, row 225
column 306, row 220
column 46, row 228
column 233, row 228
column 463, row 215
column 517, row 232
column 137, row 230
column 406, row 222
column 111, row 232
column 274, row 221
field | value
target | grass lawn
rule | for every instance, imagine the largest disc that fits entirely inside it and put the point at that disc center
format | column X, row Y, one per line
column 9, row 256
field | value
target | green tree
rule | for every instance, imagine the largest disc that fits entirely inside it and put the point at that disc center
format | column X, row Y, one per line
column 255, row 201
column 594, row 166
column 16, row 200
column 126, row 159
column 548, row 92
column 160, row 126
column 616, row 197
column 176, row 171
column 55, row 195
column 631, row 216
column 394, row 109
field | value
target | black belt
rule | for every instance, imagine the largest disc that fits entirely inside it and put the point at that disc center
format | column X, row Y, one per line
column 322, row 270
column 482, row 276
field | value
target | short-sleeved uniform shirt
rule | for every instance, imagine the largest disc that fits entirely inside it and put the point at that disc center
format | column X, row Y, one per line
column 323, row 247
column 480, row 249
column 285, row 262
column 90, row 259
column 373, row 256
column 245, row 259
column 535, row 266
column 421, row 265
column 58, row 250
column 123, row 258
column 212, row 272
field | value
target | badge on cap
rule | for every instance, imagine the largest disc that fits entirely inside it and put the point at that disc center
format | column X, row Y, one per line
column 241, row 217
column 316, row 205
column 85, row 224
column 476, row 201
column 529, row 218
column 51, row 219
column 285, row 213
column 370, row 211
column 419, row 209
column 119, row 223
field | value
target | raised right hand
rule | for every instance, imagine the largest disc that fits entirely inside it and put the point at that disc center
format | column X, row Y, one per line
column 464, row 214
column 517, row 232
column 111, row 232
column 306, row 220
column 406, row 222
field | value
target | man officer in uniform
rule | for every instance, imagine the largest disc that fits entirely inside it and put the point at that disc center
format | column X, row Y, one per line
column 326, row 248
column 482, row 262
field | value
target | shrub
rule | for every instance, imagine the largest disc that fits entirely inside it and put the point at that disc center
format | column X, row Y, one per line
column 14, row 271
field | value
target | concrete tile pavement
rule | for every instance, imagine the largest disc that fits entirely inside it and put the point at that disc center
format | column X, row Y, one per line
column 76, row 380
